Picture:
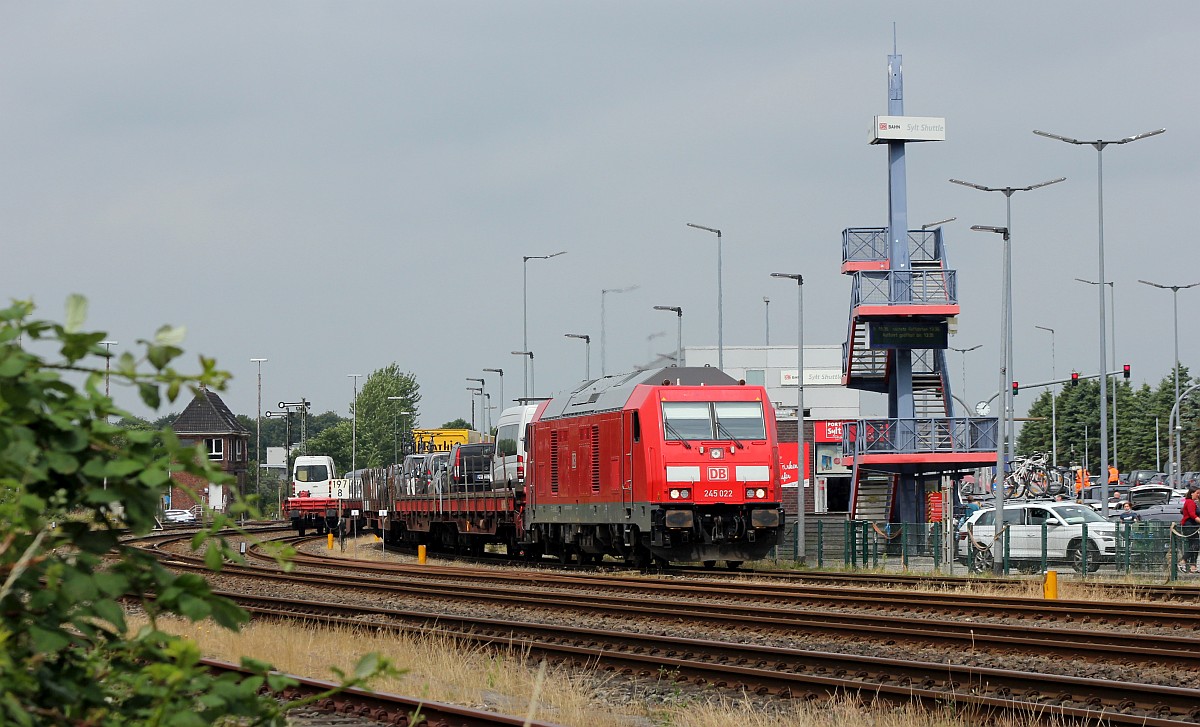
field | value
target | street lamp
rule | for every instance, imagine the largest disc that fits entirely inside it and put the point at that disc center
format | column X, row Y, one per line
column 354, row 424
column 525, row 305
column 1053, row 403
column 475, row 390
column 1104, row 376
column 678, row 311
column 258, row 435
column 801, row 460
column 501, row 373
column 396, row 441
column 1006, row 318
column 1005, row 392
column 767, row 316
column 531, row 378
column 939, row 223
column 1099, row 145
column 587, row 353
column 603, row 347
column 720, row 310
column 483, row 419
column 964, row 352
column 1175, row 304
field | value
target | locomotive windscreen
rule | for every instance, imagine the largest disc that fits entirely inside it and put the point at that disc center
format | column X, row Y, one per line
column 685, row 420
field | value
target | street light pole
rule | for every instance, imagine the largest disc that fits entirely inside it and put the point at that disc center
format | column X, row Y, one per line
column 1053, row 402
column 678, row 311
column 258, row 436
column 720, row 298
column 483, row 417
column 587, row 353
column 1112, row 329
column 767, row 316
column 396, row 428
column 475, row 390
column 1172, row 441
column 801, row 460
column 530, row 362
column 1099, row 145
column 1005, row 393
column 354, row 424
column 603, row 327
column 501, row 373
column 1007, row 317
column 964, row 352
column 525, row 305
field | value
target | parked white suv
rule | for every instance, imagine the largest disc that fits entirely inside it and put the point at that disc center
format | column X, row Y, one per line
column 1063, row 526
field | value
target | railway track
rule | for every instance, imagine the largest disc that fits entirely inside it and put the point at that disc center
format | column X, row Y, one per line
column 752, row 618
column 376, row 708
column 782, row 608
column 777, row 671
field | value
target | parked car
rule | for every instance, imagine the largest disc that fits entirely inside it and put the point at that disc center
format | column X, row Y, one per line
column 1154, row 503
column 471, row 466
column 179, row 516
column 1064, row 542
column 1143, row 477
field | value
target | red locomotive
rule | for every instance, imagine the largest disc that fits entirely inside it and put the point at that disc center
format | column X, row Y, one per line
column 672, row 465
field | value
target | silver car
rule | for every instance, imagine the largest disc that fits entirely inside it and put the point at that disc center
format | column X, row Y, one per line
column 1040, row 531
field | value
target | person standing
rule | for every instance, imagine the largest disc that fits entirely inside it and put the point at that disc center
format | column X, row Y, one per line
column 1190, row 524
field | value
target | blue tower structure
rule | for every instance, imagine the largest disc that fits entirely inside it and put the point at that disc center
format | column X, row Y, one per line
column 902, row 299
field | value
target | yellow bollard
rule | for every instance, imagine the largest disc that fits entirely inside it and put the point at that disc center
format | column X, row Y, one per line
column 421, row 554
column 331, row 541
column 1050, row 585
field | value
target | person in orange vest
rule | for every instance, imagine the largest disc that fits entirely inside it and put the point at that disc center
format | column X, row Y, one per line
column 1081, row 479
column 1112, row 475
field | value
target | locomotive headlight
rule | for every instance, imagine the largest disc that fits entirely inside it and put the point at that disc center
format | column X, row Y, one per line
column 749, row 493
column 674, row 494
column 760, row 493
column 685, row 494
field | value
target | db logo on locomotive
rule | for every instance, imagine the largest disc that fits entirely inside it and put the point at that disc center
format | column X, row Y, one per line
column 718, row 474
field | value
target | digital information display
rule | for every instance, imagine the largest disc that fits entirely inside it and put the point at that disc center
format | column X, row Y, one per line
column 908, row 334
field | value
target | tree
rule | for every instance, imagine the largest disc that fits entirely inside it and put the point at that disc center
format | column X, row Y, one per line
column 70, row 481
column 458, row 423
column 381, row 426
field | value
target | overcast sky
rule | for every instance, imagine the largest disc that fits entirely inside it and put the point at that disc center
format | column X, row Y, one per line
column 339, row 186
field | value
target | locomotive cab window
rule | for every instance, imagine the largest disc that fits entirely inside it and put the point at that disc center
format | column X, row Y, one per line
column 739, row 420
column 686, row 420
column 728, row 420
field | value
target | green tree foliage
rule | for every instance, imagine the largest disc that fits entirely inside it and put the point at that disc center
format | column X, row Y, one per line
column 381, row 426
column 1142, row 423
column 71, row 481
column 459, row 423
column 335, row 442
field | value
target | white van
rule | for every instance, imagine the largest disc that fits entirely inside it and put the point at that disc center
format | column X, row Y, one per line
column 508, row 462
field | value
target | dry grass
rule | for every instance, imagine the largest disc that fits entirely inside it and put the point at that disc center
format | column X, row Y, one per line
column 437, row 668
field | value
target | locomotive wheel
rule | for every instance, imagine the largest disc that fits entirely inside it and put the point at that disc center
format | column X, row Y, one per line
column 710, row 564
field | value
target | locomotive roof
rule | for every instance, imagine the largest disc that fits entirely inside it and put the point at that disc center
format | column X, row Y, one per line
column 612, row 392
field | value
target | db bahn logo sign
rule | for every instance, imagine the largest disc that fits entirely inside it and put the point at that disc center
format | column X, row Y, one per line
column 718, row 474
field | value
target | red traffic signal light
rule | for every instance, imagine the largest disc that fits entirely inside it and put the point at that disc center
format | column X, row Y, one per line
column 1016, row 388
column 1074, row 378
column 1125, row 371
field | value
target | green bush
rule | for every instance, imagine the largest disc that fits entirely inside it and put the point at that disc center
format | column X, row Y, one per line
column 70, row 481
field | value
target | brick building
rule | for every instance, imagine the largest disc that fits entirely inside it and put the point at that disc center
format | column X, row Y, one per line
column 207, row 421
